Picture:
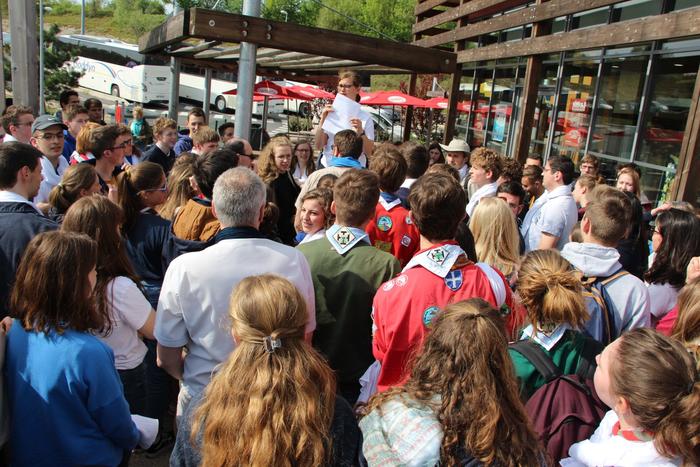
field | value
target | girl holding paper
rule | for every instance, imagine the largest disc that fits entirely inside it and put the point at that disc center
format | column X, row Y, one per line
column 347, row 104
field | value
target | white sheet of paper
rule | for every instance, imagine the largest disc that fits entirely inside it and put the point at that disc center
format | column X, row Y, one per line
column 148, row 430
column 343, row 110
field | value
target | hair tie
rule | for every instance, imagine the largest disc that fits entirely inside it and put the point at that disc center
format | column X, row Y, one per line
column 271, row 344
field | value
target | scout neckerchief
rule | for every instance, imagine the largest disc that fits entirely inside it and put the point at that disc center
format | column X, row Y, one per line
column 343, row 238
column 439, row 260
column 388, row 200
column 350, row 162
column 636, row 434
column 546, row 339
column 236, row 233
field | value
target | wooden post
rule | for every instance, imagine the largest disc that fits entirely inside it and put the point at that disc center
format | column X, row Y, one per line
column 409, row 110
column 25, row 53
column 452, row 106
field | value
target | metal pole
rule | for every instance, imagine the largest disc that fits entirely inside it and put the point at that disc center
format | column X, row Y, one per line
column 246, row 77
column 41, row 57
column 174, row 95
column 2, row 68
column 82, row 17
column 206, row 102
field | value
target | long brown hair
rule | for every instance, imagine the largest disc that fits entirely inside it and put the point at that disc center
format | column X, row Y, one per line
column 664, row 394
column 75, row 179
column 268, row 407
column 686, row 329
column 310, row 164
column 551, row 291
column 52, row 291
column 179, row 186
column 143, row 176
column 100, row 219
column 266, row 162
column 465, row 361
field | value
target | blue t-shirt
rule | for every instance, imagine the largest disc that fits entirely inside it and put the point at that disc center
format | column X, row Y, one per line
column 66, row 400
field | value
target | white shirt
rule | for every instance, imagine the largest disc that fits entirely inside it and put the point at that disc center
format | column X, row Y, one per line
column 662, row 299
column 194, row 300
column 52, row 177
column 12, row 197
column 367, row 126
column 485, row 191
column 9, row 139
column 129, row 311
column 319, row 234
column 553, row 213
column 604, row 448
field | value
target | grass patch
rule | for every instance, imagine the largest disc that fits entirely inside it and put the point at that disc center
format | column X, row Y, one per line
column 104, row 26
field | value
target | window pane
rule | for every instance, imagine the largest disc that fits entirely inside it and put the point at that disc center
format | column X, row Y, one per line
column 501, row 109
column 590, row 18
column 543, row 109
column 683, row 4
column 667, row 114
column 573, row 113
column 635, row 9
column 618, row 106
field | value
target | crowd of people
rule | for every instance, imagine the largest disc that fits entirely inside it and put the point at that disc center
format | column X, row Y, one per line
column 336, row 301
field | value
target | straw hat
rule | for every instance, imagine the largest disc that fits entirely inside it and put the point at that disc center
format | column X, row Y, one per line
column 456, row 145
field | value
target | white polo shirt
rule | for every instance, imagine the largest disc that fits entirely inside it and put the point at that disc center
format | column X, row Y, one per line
column 52, row 177
column 194, row 300
column 553, row 213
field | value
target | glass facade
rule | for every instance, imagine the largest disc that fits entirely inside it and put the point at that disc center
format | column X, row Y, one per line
column 622, row 104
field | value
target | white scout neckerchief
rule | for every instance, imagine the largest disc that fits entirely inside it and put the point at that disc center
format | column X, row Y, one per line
column 343, row 238
column 438, row 260
column 548, row 341
column 389, row 204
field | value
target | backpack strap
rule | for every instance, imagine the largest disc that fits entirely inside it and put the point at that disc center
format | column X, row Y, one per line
column 586, row 363
column 538, row 357
column 610, row 317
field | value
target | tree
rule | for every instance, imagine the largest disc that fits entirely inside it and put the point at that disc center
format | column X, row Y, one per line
column 385, row 19
column 56, row 76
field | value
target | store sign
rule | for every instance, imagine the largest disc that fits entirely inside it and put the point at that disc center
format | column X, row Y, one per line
column 573, row 137
column 579, row 105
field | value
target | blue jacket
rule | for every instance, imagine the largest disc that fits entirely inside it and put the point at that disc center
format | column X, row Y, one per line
column 184, row 142
column 19, row 223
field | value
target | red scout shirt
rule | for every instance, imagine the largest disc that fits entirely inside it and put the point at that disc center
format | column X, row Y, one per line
column 392, row 231
column 405, row 306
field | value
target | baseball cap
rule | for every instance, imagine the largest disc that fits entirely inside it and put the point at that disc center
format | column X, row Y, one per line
column 42, row 122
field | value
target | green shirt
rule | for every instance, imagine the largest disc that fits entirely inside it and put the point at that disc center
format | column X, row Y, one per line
column 566, row 355
column 345, row 287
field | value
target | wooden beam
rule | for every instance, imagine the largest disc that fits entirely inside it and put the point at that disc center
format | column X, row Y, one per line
column 409, row 110
column 193, row 49
column 685, row 187
column 215, row 52
column 451, row 117
column 172, row 31
column 670, row 25
column 454, row 14
column 532, row 14
column 428, row 5
column 227, row 27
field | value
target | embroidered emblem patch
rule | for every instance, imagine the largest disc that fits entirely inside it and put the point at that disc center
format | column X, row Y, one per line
column 408, row 220
column 384, row 246
column 453, row 280
column 401, row 280
column 344, row 237
column 405, row 240
column 429, row 315
column 388, row 286
column 384, row 223
column 438, row 255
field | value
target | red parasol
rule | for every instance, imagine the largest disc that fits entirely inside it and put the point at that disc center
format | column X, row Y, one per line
column 271, row 91
column 311, row 92
column 392, row 98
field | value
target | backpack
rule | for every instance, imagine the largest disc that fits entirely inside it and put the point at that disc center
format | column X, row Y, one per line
column 601, row 324
column 566, row 409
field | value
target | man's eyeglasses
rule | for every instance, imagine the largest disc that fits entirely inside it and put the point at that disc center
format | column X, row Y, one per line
column 126, row 143
column 50, row 136
column 346, row 86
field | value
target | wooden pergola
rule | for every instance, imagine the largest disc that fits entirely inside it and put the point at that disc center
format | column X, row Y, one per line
column 211, row 40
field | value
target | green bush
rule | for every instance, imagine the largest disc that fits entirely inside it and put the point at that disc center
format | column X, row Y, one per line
column 300, row 124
